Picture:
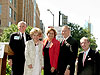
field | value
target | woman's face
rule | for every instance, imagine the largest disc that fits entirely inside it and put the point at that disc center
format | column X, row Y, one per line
column 50, row 34
column 35, row 36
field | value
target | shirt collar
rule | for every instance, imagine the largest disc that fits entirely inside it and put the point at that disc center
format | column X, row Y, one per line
column 66, row 38
column 23, row 34
column 87, row 51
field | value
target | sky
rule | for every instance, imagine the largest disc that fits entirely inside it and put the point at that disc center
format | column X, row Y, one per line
column 78, row 12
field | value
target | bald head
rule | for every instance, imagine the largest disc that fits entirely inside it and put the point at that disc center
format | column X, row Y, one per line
column 66, row 31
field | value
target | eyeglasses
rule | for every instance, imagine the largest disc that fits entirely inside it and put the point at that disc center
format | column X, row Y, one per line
column 51, row 33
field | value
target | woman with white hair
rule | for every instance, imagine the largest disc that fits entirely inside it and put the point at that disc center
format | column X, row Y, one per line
column 33, row 54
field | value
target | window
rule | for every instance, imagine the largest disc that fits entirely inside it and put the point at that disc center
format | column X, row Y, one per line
column 0, row 8
column 15, row 3
column 10, row 12
column 9, row 23
column 14, row 15
column 11, row 1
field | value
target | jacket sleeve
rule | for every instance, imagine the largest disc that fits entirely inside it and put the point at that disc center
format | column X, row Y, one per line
column 11, row 44
column 97, row 59
column 27, row 54
column 56, row 54
column 42, row 58
column 74, row 47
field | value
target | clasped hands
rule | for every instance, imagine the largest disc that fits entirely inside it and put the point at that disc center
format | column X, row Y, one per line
column 30, row 66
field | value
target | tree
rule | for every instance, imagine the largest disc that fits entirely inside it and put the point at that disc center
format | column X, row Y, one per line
column 13, row 28
column 78, row 32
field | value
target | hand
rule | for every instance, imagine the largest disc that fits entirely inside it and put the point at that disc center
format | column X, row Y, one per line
column 30, row 66
column 10, row 62
column 42, row 68
column 67, row 72
column 52, row 69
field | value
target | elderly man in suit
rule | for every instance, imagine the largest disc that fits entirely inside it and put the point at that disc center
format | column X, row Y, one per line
column 88, row 60
column 17, row 44
column 68, row 53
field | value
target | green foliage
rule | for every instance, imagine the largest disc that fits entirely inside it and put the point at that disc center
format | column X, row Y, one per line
column 7, row 32
column 99, row 51
column 8, row 69
column 28, row 29
column 78, row 32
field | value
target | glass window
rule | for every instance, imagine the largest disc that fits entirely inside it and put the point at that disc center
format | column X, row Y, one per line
column 14, row 15
column 0, row 8
column 11, row 1
column 15, row 3
column 9, row 24
column 10, row 12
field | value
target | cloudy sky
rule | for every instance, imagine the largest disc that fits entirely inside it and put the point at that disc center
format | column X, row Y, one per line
column 78, row 12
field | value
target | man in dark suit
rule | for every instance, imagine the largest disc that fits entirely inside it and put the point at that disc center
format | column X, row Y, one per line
column 68, row 53
column 17, row 44
column 88, row 60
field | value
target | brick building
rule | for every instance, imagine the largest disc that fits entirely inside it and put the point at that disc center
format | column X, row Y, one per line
column 13, row 11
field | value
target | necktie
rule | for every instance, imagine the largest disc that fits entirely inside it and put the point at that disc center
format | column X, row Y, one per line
column 63, row 43
column 84, row 57
column 23, row 39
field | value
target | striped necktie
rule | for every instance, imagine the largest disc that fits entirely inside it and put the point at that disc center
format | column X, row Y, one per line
column 84, row 57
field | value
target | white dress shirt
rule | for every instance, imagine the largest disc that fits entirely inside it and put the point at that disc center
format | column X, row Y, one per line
column 86, row 52
column 23, row 36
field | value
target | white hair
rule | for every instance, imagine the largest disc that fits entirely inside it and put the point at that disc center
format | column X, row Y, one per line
column 21, row 22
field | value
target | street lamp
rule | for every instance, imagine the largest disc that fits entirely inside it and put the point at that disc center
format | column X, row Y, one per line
column 52, row 15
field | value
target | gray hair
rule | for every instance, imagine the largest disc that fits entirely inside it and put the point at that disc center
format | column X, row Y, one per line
column 22, row 22
column 85, row 38
column 66, row 26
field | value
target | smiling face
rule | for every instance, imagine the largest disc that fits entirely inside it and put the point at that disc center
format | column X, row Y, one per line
column 84, row 44
column 65, row 31
column 50, row 34
column 35, row 36
column 22, row 27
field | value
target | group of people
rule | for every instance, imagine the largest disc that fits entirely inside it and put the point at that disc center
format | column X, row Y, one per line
column 31, row 55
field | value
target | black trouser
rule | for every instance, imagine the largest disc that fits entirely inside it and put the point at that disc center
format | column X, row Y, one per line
column 18, row 68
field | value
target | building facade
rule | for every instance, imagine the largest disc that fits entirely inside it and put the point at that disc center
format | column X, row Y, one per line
column 88, row 25
column 13, row 11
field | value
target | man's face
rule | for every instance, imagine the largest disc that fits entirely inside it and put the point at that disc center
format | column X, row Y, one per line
column 84, row 44
column 65, row 32
column 22, row 27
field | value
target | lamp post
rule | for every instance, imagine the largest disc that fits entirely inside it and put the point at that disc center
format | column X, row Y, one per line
column 52, row 15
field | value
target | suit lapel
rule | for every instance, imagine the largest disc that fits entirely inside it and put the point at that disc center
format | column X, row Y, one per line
column 81, row 56
column 19, row 35
column 88, row 56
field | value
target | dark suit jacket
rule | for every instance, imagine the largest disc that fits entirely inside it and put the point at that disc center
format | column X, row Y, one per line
column 68, row 55
column 91, row 64
column 18, row 48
